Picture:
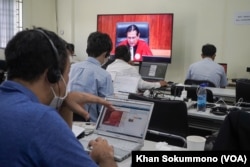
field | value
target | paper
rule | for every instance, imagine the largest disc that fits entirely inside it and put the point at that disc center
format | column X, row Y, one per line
column 125, row 84
column 77, row 130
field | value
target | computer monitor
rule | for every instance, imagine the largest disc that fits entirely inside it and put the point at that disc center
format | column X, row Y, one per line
column 153, row 71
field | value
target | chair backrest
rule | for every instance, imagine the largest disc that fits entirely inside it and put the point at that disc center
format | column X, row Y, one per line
column 121, row 28
column 198, row 82
column 243, row 90
column 191, row 92
column 168, row 116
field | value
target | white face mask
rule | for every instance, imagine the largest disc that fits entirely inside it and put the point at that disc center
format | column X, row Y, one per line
column 57, row 101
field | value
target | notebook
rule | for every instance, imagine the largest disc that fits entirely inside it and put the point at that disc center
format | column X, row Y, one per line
column 153, row 71
column 125, row 128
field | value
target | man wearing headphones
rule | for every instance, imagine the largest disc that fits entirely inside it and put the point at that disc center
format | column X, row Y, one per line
column 88, row 76
column 122, row 67
column 33, row 132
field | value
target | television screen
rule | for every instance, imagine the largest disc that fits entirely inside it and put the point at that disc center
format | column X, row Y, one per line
column 147, row 35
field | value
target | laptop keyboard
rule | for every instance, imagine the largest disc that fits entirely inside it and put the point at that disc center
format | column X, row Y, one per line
column 121, row 148
column 116, row 143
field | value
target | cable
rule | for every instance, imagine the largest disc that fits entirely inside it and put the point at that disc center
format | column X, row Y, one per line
column 221, row 101
column 239, row 102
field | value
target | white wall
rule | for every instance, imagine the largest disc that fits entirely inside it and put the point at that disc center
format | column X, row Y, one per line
column 196, row 22
column 38, row 13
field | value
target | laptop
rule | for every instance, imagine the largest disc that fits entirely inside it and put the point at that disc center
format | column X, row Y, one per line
column 224, row 65
column 125, row 128
column 153, row 71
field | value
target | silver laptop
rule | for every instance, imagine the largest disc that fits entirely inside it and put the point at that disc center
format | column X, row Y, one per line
column 153, row 71
column 125, row 128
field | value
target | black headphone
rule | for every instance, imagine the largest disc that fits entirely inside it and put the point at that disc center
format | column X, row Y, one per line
column 54, row 73
column 218, row 110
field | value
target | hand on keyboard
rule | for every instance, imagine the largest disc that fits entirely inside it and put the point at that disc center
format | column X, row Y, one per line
column 101, row 152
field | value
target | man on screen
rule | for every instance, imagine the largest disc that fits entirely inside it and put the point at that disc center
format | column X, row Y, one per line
column 138, row 47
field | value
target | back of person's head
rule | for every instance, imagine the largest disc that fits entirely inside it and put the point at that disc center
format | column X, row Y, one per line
column 122, row 52
column 133, row 27
column 98, row 43
column 33, row 51
column 70, row 47
column 208, row 50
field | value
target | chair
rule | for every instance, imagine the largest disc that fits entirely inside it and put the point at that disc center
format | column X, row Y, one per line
column 169, row 121
column 191, row 92
column 198, row 82
column 243, row 92
column 121, row 28
column 234, row 132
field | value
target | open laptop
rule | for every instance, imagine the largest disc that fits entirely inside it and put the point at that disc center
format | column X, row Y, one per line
column 153, row 71
column 125, row 128
column 224, row 65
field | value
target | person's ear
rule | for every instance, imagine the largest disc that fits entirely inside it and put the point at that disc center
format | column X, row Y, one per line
column 213, row 57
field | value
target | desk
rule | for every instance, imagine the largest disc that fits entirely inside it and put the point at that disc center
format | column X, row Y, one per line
column 204, row 120
column 228, row 95
column 148, row 145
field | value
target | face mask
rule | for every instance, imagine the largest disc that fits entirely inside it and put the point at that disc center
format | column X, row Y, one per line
column 57, row 101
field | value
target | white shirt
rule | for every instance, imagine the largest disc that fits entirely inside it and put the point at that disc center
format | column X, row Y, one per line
column 122, row 68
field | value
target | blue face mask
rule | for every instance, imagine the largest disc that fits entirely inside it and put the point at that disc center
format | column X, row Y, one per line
column 57, row 101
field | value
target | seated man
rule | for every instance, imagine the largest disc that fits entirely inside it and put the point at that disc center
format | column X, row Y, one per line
column 88, row 76
column 122, row 67
column 138, row 47
column 207, row 69
column 34, row 134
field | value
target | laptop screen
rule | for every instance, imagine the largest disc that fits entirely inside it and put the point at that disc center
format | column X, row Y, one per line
column 130, row 118
column 153, row 70
column 224, row 65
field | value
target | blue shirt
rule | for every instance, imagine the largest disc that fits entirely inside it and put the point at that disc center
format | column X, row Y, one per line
column 207, row 69
column 33, row 134
column 89, row 77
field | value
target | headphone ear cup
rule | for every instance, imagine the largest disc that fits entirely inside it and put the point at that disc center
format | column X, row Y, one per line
column 53, row 75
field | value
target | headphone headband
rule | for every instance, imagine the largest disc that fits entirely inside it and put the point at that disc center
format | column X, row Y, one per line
column 54, row 73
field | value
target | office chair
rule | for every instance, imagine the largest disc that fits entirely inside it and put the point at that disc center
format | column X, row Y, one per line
column 191, row 92
column 234, row 132
column 121, row 28
column 198, row 82
column 169, row 120
column 243, row 92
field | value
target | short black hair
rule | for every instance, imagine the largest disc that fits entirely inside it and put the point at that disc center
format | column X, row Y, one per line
column 122, row 52
column 208, row 50
column 133, row 27
column 29, row 53
column 98, row 43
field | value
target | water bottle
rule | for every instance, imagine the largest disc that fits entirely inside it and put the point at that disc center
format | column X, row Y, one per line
column 202, row 98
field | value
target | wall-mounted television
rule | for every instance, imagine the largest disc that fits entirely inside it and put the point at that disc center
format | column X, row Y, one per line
column 155, row 34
